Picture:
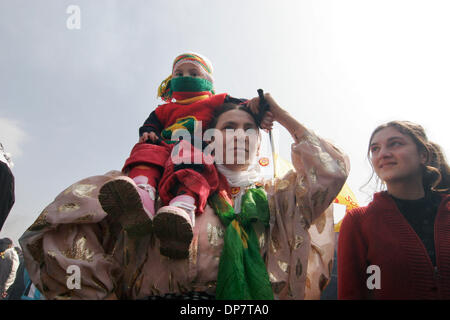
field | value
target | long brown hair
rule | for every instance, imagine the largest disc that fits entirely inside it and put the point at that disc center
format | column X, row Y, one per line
column 436, row 172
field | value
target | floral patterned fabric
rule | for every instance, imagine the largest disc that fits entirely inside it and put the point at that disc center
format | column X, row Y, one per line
column 297, row 247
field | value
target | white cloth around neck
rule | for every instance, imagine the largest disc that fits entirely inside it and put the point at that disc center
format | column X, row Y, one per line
column 240, row 179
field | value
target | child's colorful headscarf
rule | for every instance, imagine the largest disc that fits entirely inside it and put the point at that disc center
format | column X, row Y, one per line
column 167, row 87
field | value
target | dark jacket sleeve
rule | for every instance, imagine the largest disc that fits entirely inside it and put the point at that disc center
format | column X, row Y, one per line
column 6, row 192
column 152, row 124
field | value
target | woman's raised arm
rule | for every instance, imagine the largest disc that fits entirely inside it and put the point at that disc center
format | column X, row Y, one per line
column 321, row 167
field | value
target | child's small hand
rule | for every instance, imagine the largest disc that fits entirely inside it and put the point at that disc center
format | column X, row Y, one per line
column 148, row 135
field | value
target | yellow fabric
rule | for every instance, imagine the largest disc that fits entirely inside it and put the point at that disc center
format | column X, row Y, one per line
column 347, row 198
column 282, row 166
column 241, row 232
column 193, row 99
column 163, row 87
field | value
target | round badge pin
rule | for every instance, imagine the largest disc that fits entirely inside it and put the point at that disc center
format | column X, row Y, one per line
column 235, row 190
column 264, row 162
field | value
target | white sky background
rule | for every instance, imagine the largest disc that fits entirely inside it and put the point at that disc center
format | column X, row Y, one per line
column 71, row 101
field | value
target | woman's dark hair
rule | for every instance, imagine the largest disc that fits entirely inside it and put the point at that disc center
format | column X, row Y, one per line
column 436, row 172
column 232, row 104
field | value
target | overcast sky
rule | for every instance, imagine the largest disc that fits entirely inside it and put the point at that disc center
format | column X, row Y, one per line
column 72, row 100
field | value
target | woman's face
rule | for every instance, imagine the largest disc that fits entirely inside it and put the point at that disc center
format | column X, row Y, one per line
column 395, row 156
column 240, row 138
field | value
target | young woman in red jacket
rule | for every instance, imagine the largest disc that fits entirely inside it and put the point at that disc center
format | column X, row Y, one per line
column 398, row 247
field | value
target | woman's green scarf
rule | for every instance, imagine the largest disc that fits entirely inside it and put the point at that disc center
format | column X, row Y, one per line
column 242, row 273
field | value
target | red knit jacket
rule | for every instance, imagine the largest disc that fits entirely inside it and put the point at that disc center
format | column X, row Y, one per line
column 379, row 235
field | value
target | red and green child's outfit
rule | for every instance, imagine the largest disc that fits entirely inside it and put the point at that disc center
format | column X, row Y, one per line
column 184, row 187
column 161, row 170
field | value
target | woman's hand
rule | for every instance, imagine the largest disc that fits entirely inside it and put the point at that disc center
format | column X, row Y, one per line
column 275, row 112
column 267, row 121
